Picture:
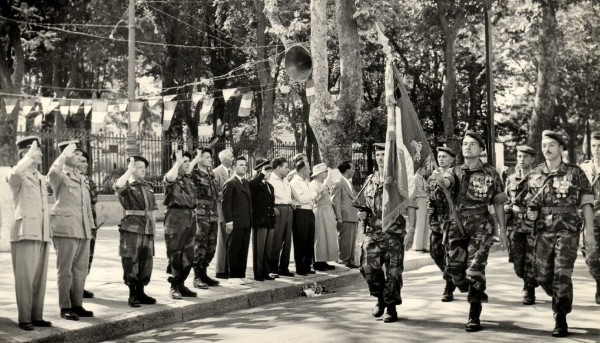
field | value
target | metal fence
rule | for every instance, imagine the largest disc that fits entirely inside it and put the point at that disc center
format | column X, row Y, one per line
column 109, row 156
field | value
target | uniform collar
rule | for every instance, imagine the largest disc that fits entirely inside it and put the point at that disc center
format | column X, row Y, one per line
column 478, row 166
column 562, row 169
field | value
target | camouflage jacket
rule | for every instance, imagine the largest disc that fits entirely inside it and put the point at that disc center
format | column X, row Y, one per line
column 556, row 196
column 594, row 178
column 207, row 194
column 438, row 207
column 516, row 207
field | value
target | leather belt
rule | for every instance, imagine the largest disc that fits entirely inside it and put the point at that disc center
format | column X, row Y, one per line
column 306, row 208
column 290, row 205
column 137, row 213
column 474, row 211
column 559, row 210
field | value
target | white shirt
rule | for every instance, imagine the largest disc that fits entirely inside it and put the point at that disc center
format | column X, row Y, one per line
column 283, row 192
column 302, row 194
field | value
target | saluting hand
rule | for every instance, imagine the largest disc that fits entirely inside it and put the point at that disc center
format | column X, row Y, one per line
column 34, row 151
column 179, row 157
column 131, row 166
column 69, row 150
column 198, row 155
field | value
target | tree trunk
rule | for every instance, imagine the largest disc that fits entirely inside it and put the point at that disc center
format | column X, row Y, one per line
column 545, row 95
column 449, row 88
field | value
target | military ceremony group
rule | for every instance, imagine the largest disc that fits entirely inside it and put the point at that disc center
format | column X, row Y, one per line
column 539, row 213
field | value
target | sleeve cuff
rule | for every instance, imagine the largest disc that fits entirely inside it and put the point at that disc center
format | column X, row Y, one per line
column 500, row 198
column 586, row 199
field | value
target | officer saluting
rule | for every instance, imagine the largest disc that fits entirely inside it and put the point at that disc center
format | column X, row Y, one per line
column 521, row 241
column 554, row 191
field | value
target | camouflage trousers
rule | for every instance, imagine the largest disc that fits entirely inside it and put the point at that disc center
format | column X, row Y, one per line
column 592, row 258
column 205, row 243
column 180, row 232
column 521, row 253
column 466, row 264
column 555, row 256
column 136, row 251
column 387, row 251
column 439, row 252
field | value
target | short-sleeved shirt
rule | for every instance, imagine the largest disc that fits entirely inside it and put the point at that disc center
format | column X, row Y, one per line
column 207, row 195
column 180, row 193
column 566, row 187
column 137, row 196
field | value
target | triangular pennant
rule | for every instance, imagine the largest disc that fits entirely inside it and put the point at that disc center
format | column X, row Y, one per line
column 74, row 106
column 284, row 89
column 169, row 109
column 113, row 107
column 197, row 97
column 27, row 105
column 153, row 101
column 37, row 121
column 167, row 98
column 99, row 111
column 382, row 39
column 48, row 105
column 87, row 106
column 64, row 107
column 227, row 93
column 123, row 104
column 246, row 104
column 206, row 106
column 10, row 104
column 135, row 113
column 310, row 91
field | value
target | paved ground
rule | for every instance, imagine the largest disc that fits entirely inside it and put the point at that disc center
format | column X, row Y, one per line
column 345, row 316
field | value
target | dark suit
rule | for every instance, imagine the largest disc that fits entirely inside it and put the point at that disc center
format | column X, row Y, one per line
column 263, row 219
column 237, row 208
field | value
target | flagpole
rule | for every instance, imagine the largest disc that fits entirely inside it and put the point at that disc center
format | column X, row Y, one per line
column 491, row 139
column 132, row 145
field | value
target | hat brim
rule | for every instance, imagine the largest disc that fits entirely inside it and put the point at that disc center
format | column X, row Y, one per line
column 262, row 164
column 317, row 173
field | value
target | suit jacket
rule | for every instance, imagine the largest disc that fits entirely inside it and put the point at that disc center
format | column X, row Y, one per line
column 71, row 215
column 263, row 202
column 341, row 199
column 221, row 175
column 237, row 203
column 30, row 196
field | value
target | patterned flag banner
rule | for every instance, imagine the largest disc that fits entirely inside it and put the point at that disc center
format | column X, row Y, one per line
column 135, row 113
column 168, row 98
column 48, row 105
column 228, row 93
column 197, row 96
column 168, row 112
column 153, row 101
column 246, row 104
column 310, row 91
column 206, row 106
column 28, row 105
column 99, row 111
column 87, row 106
column 123, row 104
column 74, row 106
column 10, row 104
column 113, row 108
column 64, row 107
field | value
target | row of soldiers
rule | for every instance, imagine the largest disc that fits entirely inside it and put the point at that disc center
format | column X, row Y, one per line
column 540, row 214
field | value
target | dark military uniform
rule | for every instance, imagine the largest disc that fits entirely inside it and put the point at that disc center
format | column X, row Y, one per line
column 137, row 229
column 180, row 227
column 592, row 258
column 472, row 191
column 556, row 196
column 439, row 222
column 207, row 193
column 94, row 200
column 381, row 248
column 521, row 248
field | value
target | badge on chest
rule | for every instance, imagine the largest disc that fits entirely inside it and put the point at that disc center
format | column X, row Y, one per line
column 480, row 184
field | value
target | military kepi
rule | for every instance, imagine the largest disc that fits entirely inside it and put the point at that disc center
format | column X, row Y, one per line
column 379, row 146
column 63, row 145
column 526, row 149
column 554, row 135
column 476, row 137
column 446, row 150
column 25, row 142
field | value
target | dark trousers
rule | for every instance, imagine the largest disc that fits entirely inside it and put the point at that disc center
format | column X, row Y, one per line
column 238, row 244
column 281, row 245
column 92, row 247
column 261, row 249
column 136, row 251
column 180, row 231
column 304, row 239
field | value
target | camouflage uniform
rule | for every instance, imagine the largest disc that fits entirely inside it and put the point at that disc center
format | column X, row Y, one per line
column 592, row 258
column 472, row 191
column 439, row 221
column 556, row 196
column 94, row 200
column 521, row 241
column 381, row 249
column 207, row 192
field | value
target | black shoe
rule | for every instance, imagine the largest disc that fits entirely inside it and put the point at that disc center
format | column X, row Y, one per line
column 87, row 294
column 320, row 266
column 68, row 314
column 379, row 309
column 175, row 293
column 208, row 280
column 285, row 273
column 303, row 273
column 598, row 298
column 448, row 292
column 199, row 284
column 561, row 329
column 261, row 279
column 329, row 266
column 26, row 326
column 222, row 276
column 391, row 315
column 474, row 325
column 274, row 275
column 186, row 292
column 41, row 323
column 352, row 266
column 144, row 298
column 311, row 271
column 528, row 295
column 82, row 312
column 133, row 301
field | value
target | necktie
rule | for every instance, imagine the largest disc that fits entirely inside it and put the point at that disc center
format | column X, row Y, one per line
column 229, row 172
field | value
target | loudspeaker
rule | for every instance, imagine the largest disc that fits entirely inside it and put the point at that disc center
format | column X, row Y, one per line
column 298, row 63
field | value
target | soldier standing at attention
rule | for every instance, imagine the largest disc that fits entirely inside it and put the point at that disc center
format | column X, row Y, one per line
column 180, row 223
column 207, row 195
column 521, row 241
column 30, row 236
column 555, row 191
column 381, row 248
column 473, row 186
column 439, row 221
column 83, row 168
column 72, row 223
column 591, row 169
column 137, row 229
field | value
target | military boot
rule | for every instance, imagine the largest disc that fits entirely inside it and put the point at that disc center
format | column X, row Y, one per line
column 207, row 279
column 448, row 292
column 379, row 308
column 474, row 325
column 133, row 300
column 198, row 282
column 598, row 292
column 175, row 292
column 528, row 295
column 144, row 298
column 186, row 292
column 391, row 315
column 561, row 329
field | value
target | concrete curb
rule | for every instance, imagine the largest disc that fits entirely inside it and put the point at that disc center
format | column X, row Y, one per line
column 161, row 315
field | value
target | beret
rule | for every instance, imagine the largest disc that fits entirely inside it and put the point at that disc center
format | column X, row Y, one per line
column 138, row 158
column 554, row 135
column 446, row 150
column 476, row 137
column 526, row 149
column 183, row 154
